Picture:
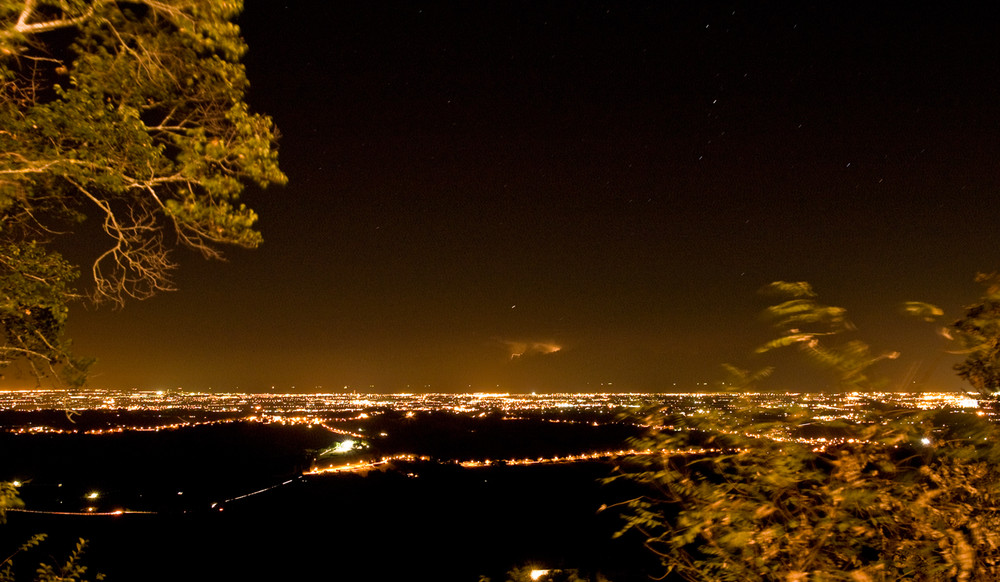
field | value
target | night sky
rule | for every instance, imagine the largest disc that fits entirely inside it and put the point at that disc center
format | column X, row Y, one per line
column 601, row 187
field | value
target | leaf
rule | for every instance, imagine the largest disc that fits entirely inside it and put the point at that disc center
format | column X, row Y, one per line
column 924, row 311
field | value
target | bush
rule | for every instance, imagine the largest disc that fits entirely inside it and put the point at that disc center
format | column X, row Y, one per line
column 911, row 495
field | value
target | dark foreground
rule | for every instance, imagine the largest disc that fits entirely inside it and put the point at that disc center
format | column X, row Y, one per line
column 428, row 520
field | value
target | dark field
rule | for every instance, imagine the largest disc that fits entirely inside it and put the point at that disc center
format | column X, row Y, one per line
column 424, row 520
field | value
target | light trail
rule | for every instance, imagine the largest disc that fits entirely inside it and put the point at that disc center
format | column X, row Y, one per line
column 595, row 456
column 364, row 465
column 216, row 505
column 84, row 513
column 341, row 431
column 252, row 493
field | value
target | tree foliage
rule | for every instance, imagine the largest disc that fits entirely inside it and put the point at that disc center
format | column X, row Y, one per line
column 752, row 494
column 8, row 499
column 70, row 570
column 132, row 112
column 817, row 331
column 978, row 331
column 905, row 496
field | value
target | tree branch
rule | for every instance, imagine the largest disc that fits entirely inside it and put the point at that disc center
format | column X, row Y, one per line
column 23, row 26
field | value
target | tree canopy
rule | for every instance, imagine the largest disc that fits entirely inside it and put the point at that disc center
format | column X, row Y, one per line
column 131, row 112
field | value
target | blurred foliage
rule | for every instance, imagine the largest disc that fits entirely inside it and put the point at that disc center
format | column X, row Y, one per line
column 754, row 494
column 908, row 495
column 816, row 330
column 8, row 499
column 132, row 113
column 978, row 332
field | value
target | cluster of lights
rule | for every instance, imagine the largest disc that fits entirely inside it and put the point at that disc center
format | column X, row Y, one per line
column 593, row 456
column 330, row 410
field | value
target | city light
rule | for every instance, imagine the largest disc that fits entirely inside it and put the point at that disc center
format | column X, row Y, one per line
column 345, row 414
column 344, row 446
column 359, row 444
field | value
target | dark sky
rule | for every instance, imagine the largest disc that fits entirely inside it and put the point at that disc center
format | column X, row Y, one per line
column 468, row 180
